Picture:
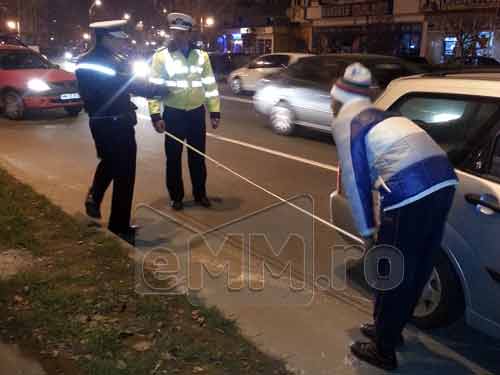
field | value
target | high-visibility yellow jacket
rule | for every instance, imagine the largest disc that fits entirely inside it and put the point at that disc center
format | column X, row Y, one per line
column 191, row 81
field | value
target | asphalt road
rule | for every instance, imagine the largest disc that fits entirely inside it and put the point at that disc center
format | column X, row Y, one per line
column 56, row 155
column 58, row 152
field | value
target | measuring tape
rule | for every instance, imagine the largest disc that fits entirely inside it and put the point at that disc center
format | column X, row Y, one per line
column 267, row 191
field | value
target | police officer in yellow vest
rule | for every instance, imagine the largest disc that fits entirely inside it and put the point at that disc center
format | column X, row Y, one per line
column 187, row 71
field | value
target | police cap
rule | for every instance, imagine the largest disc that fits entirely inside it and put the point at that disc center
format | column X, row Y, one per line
column 180, row 21
column 115, row 29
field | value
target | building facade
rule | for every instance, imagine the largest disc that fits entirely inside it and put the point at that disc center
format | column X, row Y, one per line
column 398, row 27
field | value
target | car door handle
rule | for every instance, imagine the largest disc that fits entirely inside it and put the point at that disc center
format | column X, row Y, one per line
column 482, row 202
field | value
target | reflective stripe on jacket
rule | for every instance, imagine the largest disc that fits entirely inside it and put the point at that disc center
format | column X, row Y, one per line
column 389, row 153
column 191, row 81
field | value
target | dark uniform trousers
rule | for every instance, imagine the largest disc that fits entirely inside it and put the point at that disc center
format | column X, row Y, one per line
column 188, row 126
column 417, row 231
column 117, row 151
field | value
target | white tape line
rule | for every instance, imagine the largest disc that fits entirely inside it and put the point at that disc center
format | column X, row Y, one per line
column 275, row 153
column 234, row 99
column 269, row 192
column 254, row 184
column 269, row 151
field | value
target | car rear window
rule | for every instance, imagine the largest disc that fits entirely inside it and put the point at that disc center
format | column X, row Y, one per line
column 10, row 60
column 325, row 70
column 316, row 69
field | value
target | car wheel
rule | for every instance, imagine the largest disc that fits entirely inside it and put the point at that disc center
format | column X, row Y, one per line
column 13, row 105
column 236, row 86
column 442, row 301
column 73, row 111
column 282, row 119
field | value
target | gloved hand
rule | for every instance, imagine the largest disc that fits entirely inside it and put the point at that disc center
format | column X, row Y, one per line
column 159, row 126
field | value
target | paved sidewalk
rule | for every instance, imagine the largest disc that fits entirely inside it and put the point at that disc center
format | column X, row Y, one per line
column 314, row 338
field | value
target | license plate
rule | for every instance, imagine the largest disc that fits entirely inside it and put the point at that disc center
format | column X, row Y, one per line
column 70, row 96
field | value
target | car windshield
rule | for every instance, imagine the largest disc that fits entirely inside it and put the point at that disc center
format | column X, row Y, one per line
column 10, row 60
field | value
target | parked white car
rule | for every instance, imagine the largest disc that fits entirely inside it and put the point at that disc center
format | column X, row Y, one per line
column 246, row 78
column 461, row 112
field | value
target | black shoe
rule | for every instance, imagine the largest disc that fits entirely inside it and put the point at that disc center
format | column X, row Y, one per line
column 128, row 235
column 368, row 330
column 368, row 352
column 204, row 201
column 177, row 205
column 92, row 208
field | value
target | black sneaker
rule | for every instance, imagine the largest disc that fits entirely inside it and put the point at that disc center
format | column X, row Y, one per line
column 177, row 205
column 368, row 352
column 204, row 202
column 368, row 330
column 92, row 208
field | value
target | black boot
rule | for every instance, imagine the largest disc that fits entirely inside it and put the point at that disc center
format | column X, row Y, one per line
column 92, row 208
column 204, row 202
column 177, row 205
column 368, row 330
column 368, row 352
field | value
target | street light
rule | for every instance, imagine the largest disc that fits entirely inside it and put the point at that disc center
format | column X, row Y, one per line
column 96, row 3
column 12, row 25
column 210, row 21
column 126, row 16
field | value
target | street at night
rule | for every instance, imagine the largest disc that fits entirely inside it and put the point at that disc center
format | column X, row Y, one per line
column 282, row 187
column 54, row 154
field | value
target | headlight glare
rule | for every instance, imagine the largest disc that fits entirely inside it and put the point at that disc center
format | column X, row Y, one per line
column 141, row 69
column 38, row 85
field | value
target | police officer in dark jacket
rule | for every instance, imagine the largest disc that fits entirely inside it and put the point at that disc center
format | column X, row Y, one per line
column 106, row 85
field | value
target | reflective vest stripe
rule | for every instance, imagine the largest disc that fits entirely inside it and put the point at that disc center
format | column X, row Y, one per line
column 97, row 68
column 208, row 80
column 212, row 94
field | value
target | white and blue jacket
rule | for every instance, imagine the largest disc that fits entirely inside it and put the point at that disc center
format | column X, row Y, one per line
column 389, row 153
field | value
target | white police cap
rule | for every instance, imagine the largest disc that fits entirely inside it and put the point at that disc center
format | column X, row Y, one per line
column 180, row 21
column 113, row 28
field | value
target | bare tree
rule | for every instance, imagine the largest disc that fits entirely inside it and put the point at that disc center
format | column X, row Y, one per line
column 468, row 28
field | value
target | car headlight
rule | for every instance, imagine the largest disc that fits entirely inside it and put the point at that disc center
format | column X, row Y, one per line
column 38, row 85
column 141, row 69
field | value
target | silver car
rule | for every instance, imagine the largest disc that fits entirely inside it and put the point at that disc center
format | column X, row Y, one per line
column 462, row 113
column 300, row 95
column 246, row 77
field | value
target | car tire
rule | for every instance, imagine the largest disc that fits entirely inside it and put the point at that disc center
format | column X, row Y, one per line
column 73, row 111
column 237, row 86
column 13, row 105
column 442, row 302
column 282, row 119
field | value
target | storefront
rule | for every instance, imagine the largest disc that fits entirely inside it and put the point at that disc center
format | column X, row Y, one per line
column 383, row 38
column 252, row 41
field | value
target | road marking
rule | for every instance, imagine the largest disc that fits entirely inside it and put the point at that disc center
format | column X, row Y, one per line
column 235, row 99
column 269, row 151
column 275, row 153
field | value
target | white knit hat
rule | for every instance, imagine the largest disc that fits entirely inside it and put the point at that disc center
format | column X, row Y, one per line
column 356, row 84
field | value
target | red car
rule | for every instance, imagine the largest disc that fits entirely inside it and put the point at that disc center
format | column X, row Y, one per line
column 29, row 81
